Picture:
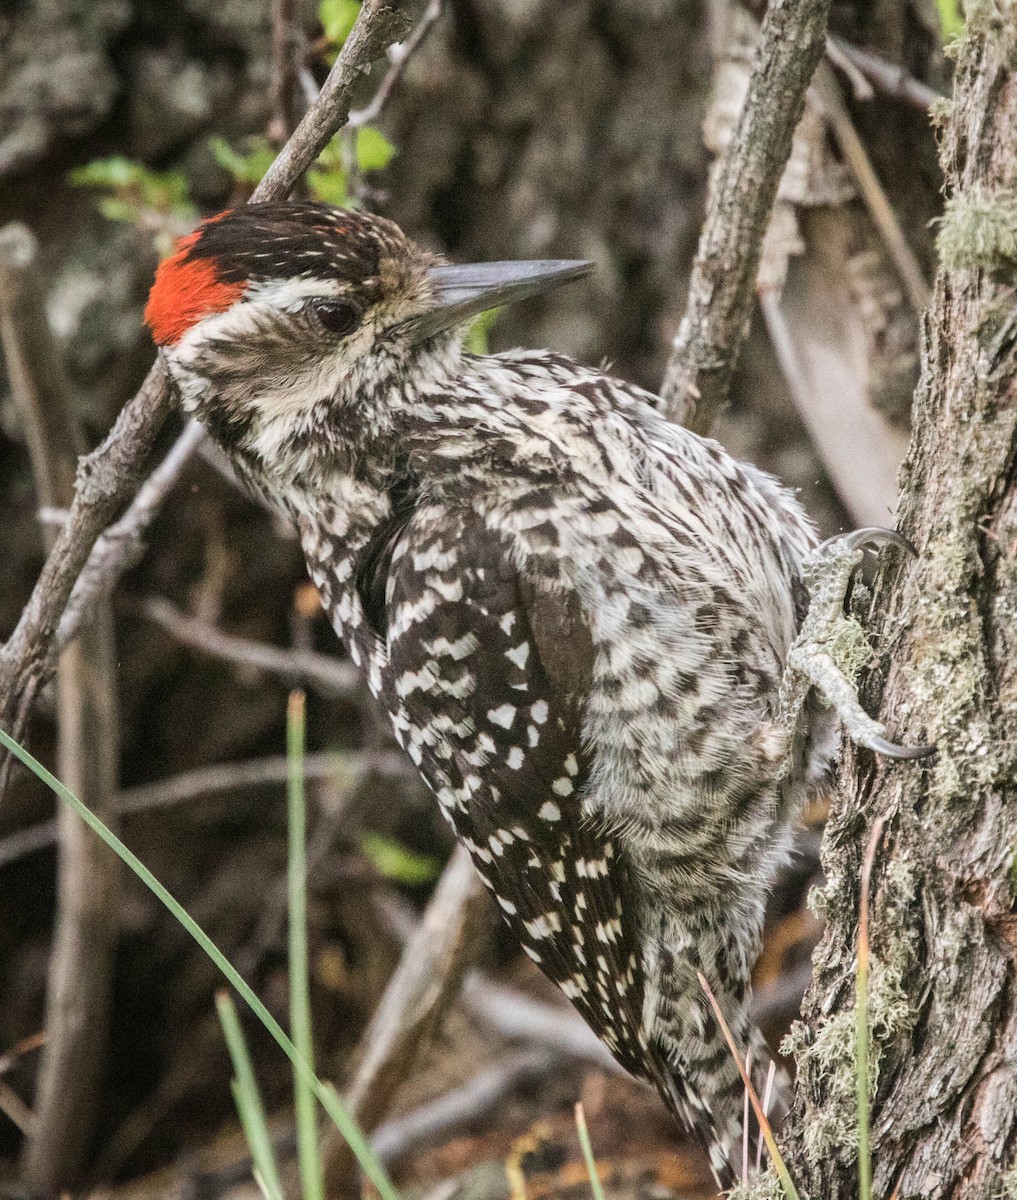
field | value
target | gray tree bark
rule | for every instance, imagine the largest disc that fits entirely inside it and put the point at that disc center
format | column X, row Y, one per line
column 943, row 929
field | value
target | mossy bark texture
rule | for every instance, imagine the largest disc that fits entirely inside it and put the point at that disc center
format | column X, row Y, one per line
column 943, row 922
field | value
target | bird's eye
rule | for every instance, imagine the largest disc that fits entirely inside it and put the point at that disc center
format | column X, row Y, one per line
column 338, row 316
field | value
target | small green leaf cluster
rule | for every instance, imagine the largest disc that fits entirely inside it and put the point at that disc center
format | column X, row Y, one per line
column 395, row 861
column 337, row 18
column 131, row 192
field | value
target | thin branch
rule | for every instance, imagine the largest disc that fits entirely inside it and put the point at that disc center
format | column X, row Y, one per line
column 122, row 545
column 424, row 986
column 826, row 93
column 518, row 1017
column 109, row 476
column 223, row 779
column 399, row 55
column 285, row 41
column 88, row 879
column 748, row 172
column 326, row 675
column 886, row 77
column 475, row 1101
column 859, row 448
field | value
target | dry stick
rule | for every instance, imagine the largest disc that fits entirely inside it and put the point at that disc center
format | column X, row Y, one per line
column 425, row 984
column 826, row 93
column 226, row 778
column 515, row 1016
column 859, row 448
column 473, row 1102
column 122, row 545
column 741, row 198
column 326, row 675
column 108, row 477
column 285, row 40
column 88, row 881
column 886, row 77
column 399, row 57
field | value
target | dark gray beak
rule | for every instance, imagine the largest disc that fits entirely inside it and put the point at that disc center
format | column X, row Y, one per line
column 461, row 292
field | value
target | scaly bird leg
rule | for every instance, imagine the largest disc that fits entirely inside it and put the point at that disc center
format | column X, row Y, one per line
column 825, row 653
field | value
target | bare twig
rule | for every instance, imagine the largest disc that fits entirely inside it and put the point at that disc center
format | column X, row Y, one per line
column 27, row 841
column 748, row 172
column 285, row 41
column 109, row 476
column 222, row 779
column 473, row 1102
column 226, row 778
column 324, row 674
column 826, row 93
column 399, row 55
column 861, row 88
column 425, row 984
column 518, row 1017
column 81, row 958
column 121, row 546
column 17, row 1111
column 860, row 449
column 886, row 77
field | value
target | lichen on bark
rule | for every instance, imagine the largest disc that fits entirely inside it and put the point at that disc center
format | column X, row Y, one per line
column 944, row 1113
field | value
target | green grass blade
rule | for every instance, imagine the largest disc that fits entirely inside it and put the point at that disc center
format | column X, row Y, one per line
column 248, row 1100
column 587, row 1148
column 305, row 1106
column 862, row 1018
column 337, row 1111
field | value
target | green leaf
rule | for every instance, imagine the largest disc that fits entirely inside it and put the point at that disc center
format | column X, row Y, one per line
column 329, row 186
column 338, row 17
column 374, row 150
column 132, row 189
column 951, row 19
column 477, row 335
column 393, row 860
column 245, row 168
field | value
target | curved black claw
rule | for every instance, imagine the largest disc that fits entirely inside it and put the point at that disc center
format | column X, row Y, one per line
column 891, row 750
column 872, row 535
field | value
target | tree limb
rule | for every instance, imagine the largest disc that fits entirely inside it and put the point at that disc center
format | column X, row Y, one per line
column 747, row 174
column 88, row 879
column 109, row 476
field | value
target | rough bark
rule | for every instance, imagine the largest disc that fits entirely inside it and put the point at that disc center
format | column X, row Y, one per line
column 942, row 996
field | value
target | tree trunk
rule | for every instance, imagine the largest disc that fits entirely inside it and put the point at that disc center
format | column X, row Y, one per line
column 943, row 1004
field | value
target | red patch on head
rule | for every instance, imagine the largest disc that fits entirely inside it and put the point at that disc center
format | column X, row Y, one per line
column 185, row 290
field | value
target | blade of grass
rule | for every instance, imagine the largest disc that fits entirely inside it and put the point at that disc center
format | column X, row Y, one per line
column 587, row 1148
column 337, row 1111
column 786, row 1182
column 862, row 1019
column 305, row 1106
column 247, row 1098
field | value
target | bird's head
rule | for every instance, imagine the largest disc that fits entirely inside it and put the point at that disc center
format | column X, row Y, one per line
column 287, row 321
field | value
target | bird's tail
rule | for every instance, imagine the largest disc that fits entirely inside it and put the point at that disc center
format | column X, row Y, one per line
column 708, row 1097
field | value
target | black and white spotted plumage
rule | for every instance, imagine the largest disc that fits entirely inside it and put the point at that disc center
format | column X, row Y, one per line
column 576, row 614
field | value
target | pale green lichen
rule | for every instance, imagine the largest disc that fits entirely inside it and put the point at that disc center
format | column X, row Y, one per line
column 848, row 646
column 1008, row 1185
column 979, row 230
column 831, row 1055
column 764, row 1186
column 940, row 111
column 829, row 1051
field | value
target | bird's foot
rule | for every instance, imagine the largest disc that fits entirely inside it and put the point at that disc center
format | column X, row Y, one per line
column 831, row 647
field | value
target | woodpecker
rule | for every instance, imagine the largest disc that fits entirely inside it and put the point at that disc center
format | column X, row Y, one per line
column 576, row 614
